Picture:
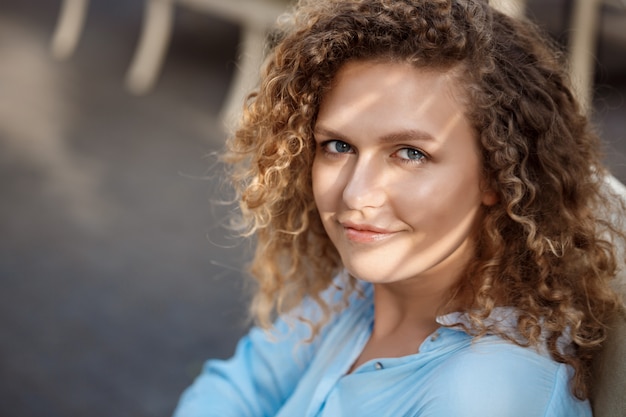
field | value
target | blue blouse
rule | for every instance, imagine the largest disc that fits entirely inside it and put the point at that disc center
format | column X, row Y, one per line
column 282, row 374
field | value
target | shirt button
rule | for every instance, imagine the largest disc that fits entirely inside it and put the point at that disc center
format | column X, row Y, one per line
column 378, row 366
column 434, row 337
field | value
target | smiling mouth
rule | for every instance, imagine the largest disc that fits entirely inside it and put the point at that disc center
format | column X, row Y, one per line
column 365, row 236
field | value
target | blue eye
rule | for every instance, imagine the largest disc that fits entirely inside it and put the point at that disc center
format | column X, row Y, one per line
column 337, row 146
column 410, row 154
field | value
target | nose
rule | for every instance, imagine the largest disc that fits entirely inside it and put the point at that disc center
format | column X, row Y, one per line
column 365, row 185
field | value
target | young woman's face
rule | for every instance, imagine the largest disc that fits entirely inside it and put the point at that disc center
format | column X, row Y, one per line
column 396, row 175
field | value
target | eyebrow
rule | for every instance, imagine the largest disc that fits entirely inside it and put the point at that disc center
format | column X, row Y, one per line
column 406, row 135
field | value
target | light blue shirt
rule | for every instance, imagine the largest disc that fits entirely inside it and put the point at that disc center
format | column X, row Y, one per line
column 451, row 376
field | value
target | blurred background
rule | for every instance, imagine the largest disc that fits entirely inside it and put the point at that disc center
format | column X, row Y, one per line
column 117, row 278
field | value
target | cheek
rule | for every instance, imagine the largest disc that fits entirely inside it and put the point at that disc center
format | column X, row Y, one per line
column 412, row 194
column 438, row 200
column 322, row 179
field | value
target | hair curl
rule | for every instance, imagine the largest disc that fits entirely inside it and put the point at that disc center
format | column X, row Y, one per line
column 546, row 248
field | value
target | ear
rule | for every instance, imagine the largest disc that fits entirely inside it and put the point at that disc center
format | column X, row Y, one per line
column 490, row 197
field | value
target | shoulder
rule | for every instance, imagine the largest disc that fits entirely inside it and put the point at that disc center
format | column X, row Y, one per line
column 493, row 377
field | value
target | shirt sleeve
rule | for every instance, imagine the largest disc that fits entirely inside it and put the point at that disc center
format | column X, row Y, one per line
column 262, row 374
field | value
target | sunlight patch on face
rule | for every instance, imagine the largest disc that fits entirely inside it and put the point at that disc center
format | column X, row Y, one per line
column 453, row 123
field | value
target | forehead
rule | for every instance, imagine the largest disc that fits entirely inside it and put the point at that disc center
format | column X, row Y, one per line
column 393, row 95
column 453, row 74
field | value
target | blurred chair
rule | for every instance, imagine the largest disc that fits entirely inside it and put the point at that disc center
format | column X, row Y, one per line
column 513, row 8
column 255, row 17
column 69, row 27
column 582, row 41
column 584, row 26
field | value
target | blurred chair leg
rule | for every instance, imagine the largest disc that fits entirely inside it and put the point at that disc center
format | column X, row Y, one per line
column 515, row 8
column 155, row 35
column 583, row 30
column 69, row 28
column 246, row 73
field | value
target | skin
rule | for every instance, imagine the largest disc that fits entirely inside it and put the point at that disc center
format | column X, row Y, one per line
column 396, row 180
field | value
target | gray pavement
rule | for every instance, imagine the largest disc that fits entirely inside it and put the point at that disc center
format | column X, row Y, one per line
column 117, row 278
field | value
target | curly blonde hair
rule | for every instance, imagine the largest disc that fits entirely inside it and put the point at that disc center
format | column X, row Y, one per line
column 546, row 248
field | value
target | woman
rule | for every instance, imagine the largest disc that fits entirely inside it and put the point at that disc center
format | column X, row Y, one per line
column 427, row 201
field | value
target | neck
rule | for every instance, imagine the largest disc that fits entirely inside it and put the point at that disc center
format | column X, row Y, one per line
column 403, row 318
column 406, row 308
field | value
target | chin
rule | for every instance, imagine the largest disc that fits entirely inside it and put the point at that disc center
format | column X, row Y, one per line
column 373, row 274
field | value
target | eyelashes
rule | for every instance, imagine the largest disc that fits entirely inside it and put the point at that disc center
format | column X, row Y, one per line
column 411, row 154
column 337, row 148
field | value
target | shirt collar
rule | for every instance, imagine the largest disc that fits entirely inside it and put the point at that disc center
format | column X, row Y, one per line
column 504, row 320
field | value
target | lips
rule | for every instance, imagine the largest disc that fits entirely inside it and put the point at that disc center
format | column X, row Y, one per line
column 364, row 233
